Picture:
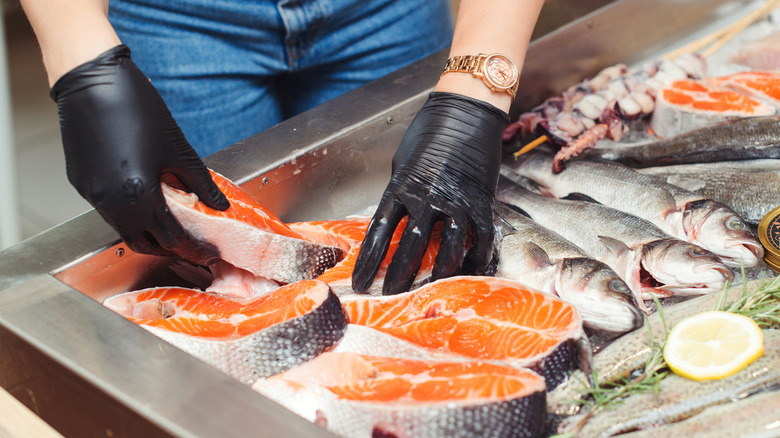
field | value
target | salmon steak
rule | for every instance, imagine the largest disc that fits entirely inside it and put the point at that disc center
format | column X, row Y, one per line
column 247, row 339
column 348, row 235
column 761, row 85
column 250, row 237
column 684, row 105
column 356, row 395
column 484, row 318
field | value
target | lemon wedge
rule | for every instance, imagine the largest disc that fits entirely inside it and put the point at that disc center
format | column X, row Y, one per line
column 713, row 345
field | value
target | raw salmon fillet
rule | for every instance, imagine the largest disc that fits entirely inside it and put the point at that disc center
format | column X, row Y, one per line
column 685, row 105
column 360, row 396
column 250, row 237
column 348, row 235
column 247, row 339
column 761, row 85
column 483, row 318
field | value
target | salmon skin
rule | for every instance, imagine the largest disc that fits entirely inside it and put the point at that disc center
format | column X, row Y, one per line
column 348, row 235
column 363, row 396
column 250, row 237
column 482, row 318
column 687, row 104
column 746, row 138
column 247, row 339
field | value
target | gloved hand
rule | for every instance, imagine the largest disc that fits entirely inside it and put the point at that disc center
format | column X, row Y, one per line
column 119, row 138
column 447, row 169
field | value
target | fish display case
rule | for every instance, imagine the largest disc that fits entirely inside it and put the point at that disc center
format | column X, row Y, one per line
column 89, row 372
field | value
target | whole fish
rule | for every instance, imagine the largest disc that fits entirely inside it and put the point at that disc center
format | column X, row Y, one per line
column 755, row 417
column 482, row 318
column 677, row 211
column 364, row 396
column 679, row 398
column 746, row 138
column 647, row 259
column 247, row 339
column 751, row 188
column 541, row 259
column 250, row 237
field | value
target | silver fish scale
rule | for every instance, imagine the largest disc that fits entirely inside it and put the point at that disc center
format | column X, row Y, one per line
column 289, row 260
column 563, row 219
column 270, row 351
column 612, row 185
column 522, row 418
column 680, row 398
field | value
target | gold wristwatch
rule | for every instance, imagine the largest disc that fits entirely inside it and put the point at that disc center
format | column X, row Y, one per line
column 497, row 71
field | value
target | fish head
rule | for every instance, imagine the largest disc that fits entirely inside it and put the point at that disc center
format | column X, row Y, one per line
column 602, row 298
column 716, row 227
column 681, row 268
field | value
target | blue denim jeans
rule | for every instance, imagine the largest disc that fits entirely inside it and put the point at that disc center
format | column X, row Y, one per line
column 229, row 69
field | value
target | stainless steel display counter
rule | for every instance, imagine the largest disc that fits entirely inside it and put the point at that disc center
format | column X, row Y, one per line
column 89, row 372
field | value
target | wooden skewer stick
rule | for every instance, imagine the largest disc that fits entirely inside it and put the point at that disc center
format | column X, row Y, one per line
column 736, row 28
column 697, row 45
column 721, row 36
column 531, row 145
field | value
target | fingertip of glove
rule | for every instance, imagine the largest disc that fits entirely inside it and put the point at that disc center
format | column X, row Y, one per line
column 395, row 287
column 360, row 281
column 216, row 199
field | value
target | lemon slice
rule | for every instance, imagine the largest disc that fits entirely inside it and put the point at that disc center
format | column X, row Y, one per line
column 713, row 345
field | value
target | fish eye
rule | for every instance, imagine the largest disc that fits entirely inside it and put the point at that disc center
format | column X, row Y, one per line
column 735, row 224
column 618, row 286
column 699, row 251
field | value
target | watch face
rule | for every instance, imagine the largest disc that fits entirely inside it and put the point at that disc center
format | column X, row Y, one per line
column 501, row 71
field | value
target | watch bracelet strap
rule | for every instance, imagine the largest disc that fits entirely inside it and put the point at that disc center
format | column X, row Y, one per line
column 471, row 64
column 464, row 63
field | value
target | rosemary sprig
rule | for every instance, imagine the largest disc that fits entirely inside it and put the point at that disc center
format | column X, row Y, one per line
column 763, row 306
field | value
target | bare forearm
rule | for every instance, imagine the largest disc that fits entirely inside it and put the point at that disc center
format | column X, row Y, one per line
column 490, row 26
column 70, row 32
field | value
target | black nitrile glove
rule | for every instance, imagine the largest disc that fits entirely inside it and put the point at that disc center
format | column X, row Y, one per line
column 119, row 138
column 447, row 170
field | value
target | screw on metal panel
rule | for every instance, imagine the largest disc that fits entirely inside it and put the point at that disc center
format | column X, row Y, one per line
column 265, row 180
column 120, row 252
column 389, row 120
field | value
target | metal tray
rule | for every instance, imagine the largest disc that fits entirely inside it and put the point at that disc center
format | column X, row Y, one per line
column 89, row 372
